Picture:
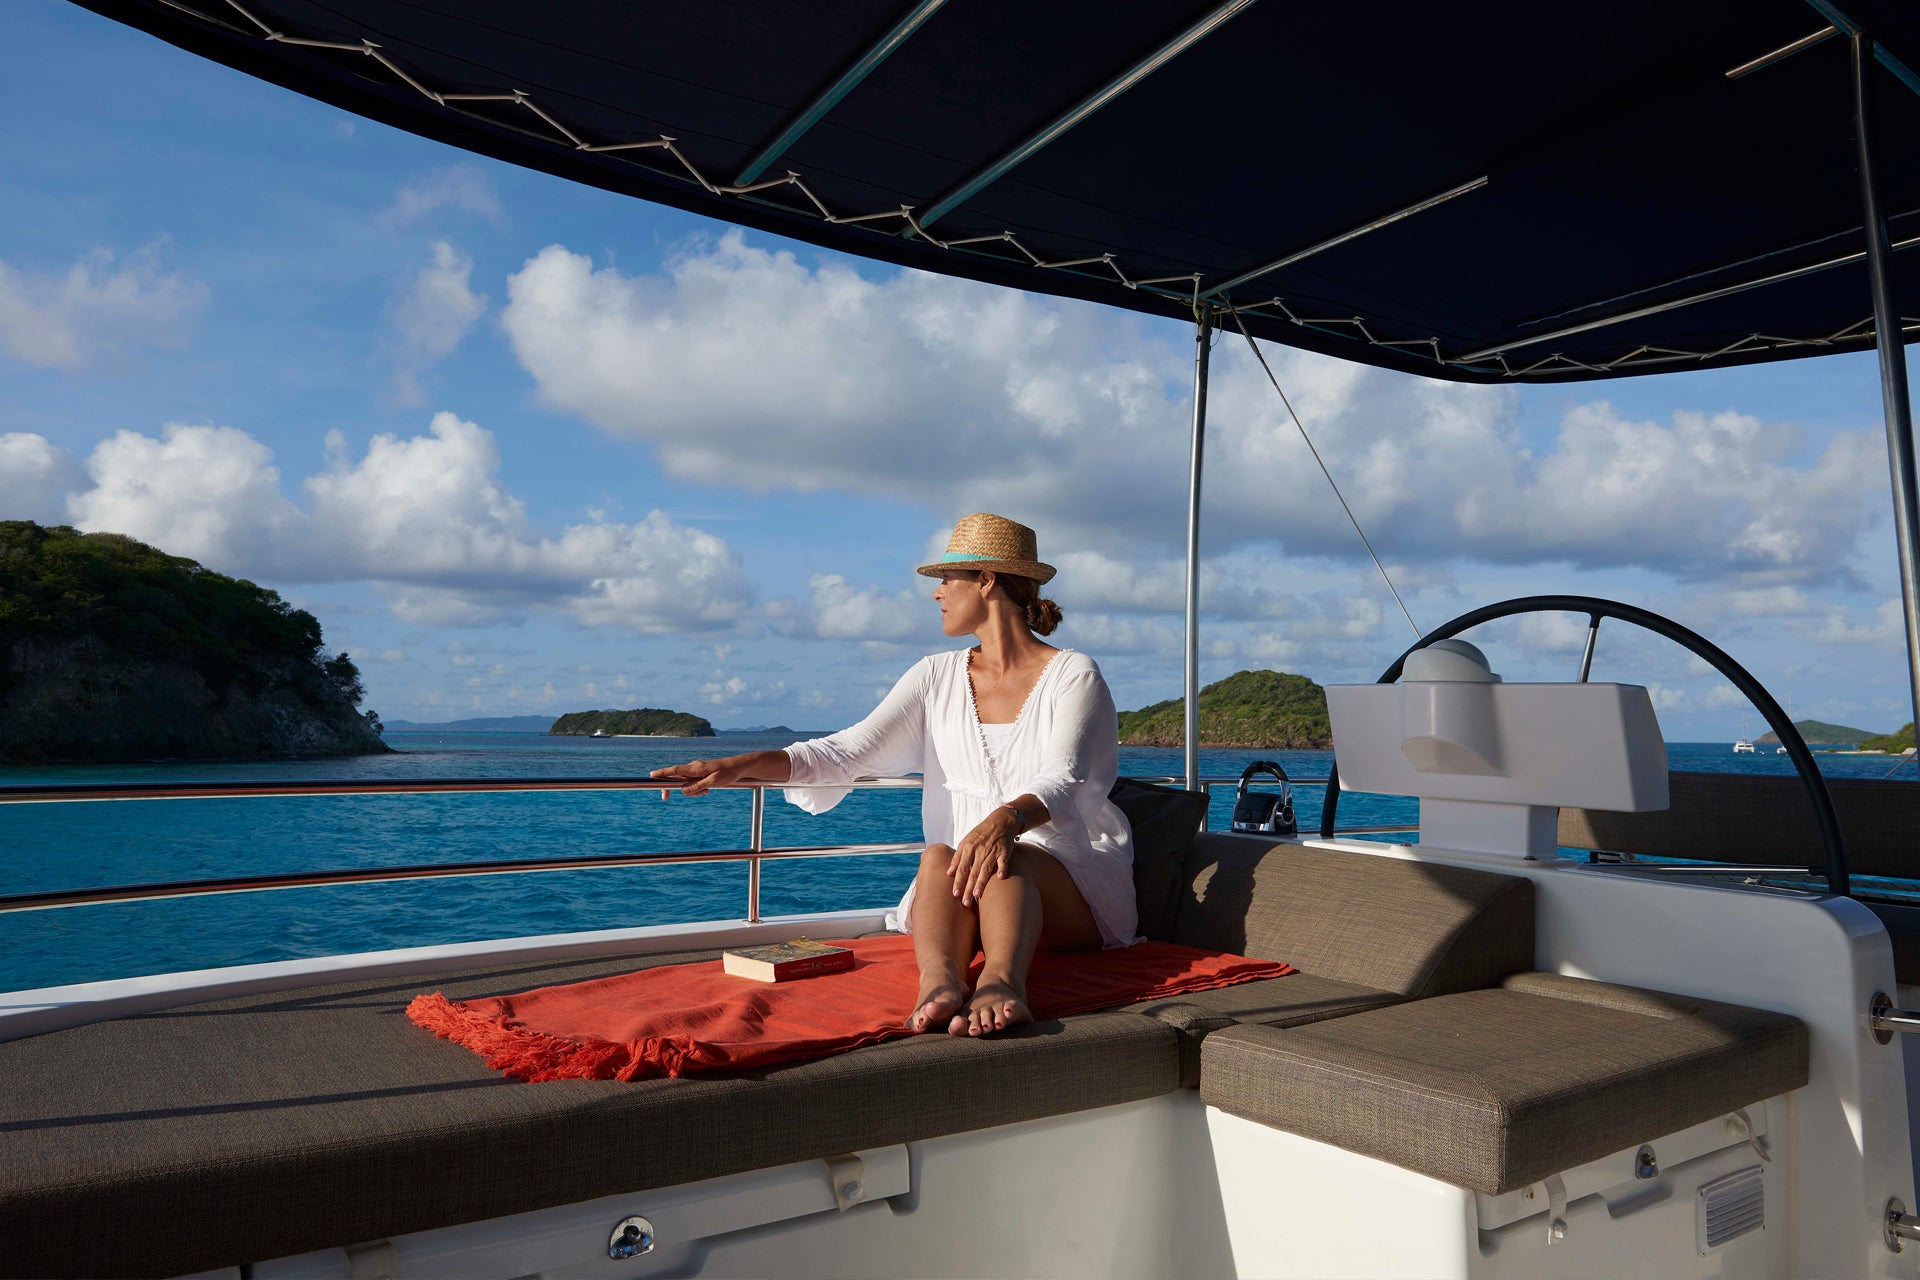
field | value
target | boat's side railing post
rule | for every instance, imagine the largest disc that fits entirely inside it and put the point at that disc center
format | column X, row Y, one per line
column 1190, row 719
column 1891, row 341
column 756, row 841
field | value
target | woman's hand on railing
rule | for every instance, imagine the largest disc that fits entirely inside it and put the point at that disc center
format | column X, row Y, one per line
column 697, row 777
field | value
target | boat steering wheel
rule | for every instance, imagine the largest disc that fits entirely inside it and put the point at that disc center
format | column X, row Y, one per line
column 1834, row 866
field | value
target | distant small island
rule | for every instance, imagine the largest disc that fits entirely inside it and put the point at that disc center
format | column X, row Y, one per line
column 762, row 728
column 1818, row 733
column 478, row 724
column 113, row 651
column 1258, row 709
column 642, row 722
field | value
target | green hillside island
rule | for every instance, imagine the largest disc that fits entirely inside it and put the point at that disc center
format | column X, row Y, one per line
column 1892, row 743
column 1818, row 733
column 1247, row 709
column 641, row 722
column 112, row 651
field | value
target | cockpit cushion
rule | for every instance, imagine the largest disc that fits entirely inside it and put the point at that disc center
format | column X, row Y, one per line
column 267, row 1125
column 1273, row 1002
column 1389, row 924
column 1496, row 1089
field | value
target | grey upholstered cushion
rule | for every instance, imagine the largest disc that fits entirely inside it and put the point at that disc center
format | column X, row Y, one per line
column 1274, row 1002
column 1495, row 1089
column 267, row 1125
column 1413, row 928
column 1768, row 821
column 1748, row 818
column 1164, row 822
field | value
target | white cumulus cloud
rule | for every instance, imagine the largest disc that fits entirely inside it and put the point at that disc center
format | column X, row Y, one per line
column 210, row 493
column 35, row 477
column 431, row 318
column 459, row 188
column 837, row 610
column 97, row 305
column 748, row 367
column 427, row 515
column 1885, row 626
column 1709, row 492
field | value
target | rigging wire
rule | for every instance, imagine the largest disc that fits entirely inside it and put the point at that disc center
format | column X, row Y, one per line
column 1302, row 428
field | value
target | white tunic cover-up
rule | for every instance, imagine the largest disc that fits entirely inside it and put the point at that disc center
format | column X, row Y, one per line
column 1063, row 748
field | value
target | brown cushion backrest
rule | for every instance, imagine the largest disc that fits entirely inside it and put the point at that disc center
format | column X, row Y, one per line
column 1412, row 928
column 1164, row 823
column 1750, row 819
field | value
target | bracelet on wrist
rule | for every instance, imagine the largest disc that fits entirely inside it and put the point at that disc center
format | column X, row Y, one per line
column 1019, row 817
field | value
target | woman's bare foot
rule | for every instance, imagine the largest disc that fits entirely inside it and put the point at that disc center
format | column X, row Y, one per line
column 940, row 1000
column 996, row 1005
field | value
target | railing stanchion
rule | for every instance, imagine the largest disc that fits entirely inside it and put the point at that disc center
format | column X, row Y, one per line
column 755, row 856
column 756, row 843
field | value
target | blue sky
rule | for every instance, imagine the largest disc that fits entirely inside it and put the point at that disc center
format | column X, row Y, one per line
column 524, row 446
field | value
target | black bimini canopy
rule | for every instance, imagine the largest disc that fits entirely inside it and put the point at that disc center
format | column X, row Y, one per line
column 1484, row 192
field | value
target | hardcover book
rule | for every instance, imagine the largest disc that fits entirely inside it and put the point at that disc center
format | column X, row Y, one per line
column 801, row 958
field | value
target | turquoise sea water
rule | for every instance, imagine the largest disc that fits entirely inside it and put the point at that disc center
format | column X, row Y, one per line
column 62, row 846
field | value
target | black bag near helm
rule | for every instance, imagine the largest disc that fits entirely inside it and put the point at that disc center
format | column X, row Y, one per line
column 1267, row 813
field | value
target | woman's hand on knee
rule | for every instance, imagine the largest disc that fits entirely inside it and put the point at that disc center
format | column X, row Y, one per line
column 985, row 855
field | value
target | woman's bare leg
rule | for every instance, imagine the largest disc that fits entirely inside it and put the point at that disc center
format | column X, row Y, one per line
column 1036, row 905
column 944, row 936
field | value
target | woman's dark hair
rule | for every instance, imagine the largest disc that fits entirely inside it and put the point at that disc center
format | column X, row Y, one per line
column 1043, row 615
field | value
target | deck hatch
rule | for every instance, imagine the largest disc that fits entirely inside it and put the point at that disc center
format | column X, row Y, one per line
column 1731, row 1206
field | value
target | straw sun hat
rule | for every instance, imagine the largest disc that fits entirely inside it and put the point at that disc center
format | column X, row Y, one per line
column 983, row 541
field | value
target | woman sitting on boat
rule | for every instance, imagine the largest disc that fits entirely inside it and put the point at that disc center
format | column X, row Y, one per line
column 1019, row 745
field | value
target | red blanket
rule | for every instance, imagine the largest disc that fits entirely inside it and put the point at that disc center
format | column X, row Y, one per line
column 687, row 1018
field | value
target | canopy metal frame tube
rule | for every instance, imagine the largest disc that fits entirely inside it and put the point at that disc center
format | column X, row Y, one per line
column 1202, row 360
column 1674, row 304
column 1897, row 403
column 1900, row 70
column 1351, row 233
column 1081, row 110
column 830, row 96
column 1784, row 52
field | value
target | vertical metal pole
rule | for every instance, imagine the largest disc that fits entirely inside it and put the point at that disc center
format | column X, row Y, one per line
column 1203, row 333
column 1586, row 656
column 1893, row 360
column 756, row 837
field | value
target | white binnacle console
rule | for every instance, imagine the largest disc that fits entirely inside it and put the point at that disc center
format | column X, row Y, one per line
column 1491, row 762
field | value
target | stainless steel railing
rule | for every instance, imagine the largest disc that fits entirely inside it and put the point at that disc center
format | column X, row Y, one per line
column 754, row 855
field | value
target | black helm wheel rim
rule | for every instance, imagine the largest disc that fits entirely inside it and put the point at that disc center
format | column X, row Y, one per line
column 1834, row 866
